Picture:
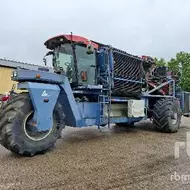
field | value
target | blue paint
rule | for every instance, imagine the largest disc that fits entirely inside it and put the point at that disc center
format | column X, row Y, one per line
column 81, row 114
column 182, row 101
column 89, row 87
column 29, row 75
column 101, row 60
column 111, row 68
column 43, row 111
column 88, row 110
column 127, row 120
column 160, row 86
column 155, row 96
column 70, row 108
column 86, row 92
column 180, row 97
column 128, row 80
column 77, row 114
column 118, row 100
column 111, row 61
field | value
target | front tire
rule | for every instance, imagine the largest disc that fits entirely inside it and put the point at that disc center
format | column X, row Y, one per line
column 166, row 115
column 16, row 133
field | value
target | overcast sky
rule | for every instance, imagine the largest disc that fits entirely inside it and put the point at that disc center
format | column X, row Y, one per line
column 142, row 27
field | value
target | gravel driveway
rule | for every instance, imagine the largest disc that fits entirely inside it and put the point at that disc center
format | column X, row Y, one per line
column 118, row 158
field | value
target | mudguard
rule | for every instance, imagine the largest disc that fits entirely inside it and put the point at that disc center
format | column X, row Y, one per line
column 43, row 97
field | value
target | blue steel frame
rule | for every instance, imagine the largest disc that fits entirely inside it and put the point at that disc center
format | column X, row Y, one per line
column 170, row 82
column 44, row 97
column 46, row 89
column 184, row 104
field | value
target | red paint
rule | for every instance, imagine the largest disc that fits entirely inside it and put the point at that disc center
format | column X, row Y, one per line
column 5, row 98
column 83, row 75
column 74, row 38
column 154, row 85
column 166, row 88
column 147, row 58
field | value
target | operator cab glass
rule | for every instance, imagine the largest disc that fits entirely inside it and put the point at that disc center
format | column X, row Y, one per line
column 84, row 70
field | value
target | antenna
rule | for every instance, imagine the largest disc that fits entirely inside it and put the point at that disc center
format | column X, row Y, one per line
column 71, row 37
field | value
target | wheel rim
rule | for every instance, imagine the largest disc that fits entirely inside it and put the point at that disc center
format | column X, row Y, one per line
column 174, row 117
column 32, row 132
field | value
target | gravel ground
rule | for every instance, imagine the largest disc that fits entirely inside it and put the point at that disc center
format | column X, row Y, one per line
column 118, row 158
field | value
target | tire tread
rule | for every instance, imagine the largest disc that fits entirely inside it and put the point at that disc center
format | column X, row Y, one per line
column 161, row 115
column 10, row 113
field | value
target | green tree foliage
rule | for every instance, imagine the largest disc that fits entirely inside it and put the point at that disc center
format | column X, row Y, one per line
column 160, row 62
column 179, row 65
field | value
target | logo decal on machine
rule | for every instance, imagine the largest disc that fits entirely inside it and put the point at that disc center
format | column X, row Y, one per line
column 45, row 94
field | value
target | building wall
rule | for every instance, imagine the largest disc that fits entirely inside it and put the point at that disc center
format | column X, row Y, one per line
column 5, row 79
column 6, row 68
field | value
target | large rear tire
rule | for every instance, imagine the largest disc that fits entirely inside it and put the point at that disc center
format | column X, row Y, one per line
column 166, row 115
column 19, row 136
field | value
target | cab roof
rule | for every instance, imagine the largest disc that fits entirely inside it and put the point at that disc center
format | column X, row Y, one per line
column 66, row 38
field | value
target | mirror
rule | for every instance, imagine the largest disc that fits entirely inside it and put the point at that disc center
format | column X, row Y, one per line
column 49, row 53
column 44, row 60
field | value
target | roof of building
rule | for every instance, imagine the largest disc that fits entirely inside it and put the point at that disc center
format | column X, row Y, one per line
column 16, row 64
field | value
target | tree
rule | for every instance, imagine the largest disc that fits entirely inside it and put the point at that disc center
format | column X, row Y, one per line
column 160, row 62
column 181, row 64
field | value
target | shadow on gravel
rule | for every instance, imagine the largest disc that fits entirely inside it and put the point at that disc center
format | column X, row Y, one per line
column 145, row 126
column 123, row 129
column 74, row 135
column 81, row 135
column 141, row 126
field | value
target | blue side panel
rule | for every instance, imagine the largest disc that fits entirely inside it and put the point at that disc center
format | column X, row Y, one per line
column 180, row 96
column 44, row 98
column 182, row 101
column 101, row 60
column 88, row 109
column 111, row 60
column 126, row 119
column 77, row 114
column 89, row 112
column 70, row 108
column 184, row 98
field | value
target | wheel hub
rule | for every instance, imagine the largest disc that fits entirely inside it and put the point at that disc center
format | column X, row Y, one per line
column 31, row 130
column 174, row 117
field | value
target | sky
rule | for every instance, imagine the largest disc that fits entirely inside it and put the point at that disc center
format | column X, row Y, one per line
column 141, row 27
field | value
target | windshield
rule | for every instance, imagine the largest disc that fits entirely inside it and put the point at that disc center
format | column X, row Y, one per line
column 64, row 59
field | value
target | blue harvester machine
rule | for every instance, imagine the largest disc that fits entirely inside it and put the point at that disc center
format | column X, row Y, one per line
column 92, row 84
